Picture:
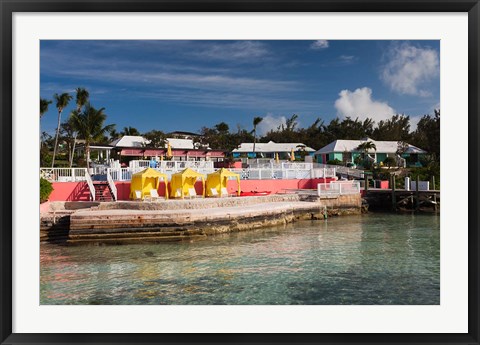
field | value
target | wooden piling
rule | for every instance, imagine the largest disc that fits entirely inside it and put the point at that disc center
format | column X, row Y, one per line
column 417, row 194
column 394, row 198
column 434, row 194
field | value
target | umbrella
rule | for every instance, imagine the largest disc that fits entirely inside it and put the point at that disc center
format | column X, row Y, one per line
column 169, row 150
column 276, row 158
column 292, row 155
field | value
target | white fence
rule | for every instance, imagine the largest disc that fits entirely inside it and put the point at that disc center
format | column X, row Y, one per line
column 338, row 188
column 280, row 172
column 176, row 166
column 63, row 174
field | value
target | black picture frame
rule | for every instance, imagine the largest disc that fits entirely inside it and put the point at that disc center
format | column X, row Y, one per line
column 8, row 7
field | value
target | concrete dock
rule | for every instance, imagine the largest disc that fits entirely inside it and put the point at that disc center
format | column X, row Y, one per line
column 182, row 220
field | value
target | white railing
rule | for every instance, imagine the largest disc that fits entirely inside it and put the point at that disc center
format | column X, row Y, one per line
column 90, row 186
column 175, row 166
column 338, row 188
column 120, row 174
column 341, row 170
column 112, row 186
column 98, row 169
column 323, row 172
column 268, row 174
column 63, row 174
column 169, row 168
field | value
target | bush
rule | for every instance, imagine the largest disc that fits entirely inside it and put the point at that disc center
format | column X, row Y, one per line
column 335, row 162
column 45, row 190
column 389, row 162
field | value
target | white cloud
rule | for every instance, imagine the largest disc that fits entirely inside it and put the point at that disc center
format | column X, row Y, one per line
column 409, row 68
column 238, row 51
column 347, row 59
column 359, row 103
column 270, row 122
column 319, row 44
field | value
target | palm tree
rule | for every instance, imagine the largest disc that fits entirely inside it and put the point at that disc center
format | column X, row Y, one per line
column 43, row 109
column 256, row 121
column 366, row 146
column 81, row 99
column 44, row 106
column 130, row 131
column 89, row 125
column 61, row 103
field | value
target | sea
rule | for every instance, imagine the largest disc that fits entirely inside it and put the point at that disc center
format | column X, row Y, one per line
column 371, row 259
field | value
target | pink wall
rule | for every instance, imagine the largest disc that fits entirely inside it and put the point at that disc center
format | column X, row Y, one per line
column 78, row 191
column 69, row 191
column 384, row 185
column 275, row 186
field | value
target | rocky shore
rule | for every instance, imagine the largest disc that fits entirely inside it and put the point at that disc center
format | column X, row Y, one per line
column 77, row 223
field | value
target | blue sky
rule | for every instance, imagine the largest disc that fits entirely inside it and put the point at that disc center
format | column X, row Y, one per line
column 182, row 85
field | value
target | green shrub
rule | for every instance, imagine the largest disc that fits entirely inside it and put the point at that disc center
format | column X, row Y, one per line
column 335, row 162
column 45, row 190
column 389, row 162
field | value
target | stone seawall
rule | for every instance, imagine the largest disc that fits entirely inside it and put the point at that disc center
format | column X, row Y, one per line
column 195, row 219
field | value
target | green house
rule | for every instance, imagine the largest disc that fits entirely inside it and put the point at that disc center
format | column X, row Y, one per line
column 347, row 151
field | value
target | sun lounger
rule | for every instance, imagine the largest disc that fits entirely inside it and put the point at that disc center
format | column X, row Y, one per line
column 224, row 192
column 192, row 193
column 138, row 195
column 214, row 192
column 154, row 195
column 178, row 193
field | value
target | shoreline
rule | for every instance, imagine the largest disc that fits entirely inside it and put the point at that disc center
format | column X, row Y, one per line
column 73, row 223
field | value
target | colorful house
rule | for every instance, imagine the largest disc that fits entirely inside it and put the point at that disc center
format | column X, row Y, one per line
column 270, row 149
column 347, row 151
column 181, row 149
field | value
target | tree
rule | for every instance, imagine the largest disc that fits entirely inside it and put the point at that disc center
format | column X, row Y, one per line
column 157, row 139
column 256, row 122
column 389, row 161
column 397, row 128
column 365, row 147
column 89, row 124
column 427, row 135
column 44, row 106
column 113, row 134
column 61, row 103
column 222, row 128
column 130, row 131
column 81, row 99
column 68, row 135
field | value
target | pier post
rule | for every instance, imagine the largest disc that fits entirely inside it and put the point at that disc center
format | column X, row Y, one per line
column 434, row 194
column 366, row 182
column 417, row 194
column 394, row 199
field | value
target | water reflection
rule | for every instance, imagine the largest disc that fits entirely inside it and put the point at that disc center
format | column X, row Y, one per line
column 374, row 259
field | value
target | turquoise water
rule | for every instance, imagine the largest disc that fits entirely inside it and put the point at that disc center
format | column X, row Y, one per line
column 369, row 259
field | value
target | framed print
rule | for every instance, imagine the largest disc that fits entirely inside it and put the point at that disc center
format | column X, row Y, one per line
column 169, row 129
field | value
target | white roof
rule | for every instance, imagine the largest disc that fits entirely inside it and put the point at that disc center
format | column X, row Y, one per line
column 271, row 147
column 351, row 146
column 130, row 141
column 180, row 143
